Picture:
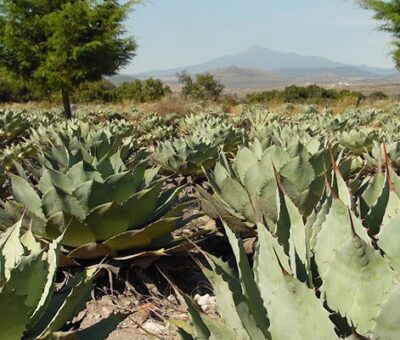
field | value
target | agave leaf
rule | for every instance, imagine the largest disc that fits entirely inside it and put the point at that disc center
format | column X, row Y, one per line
column 234, row 194
column 389, row 240
column 387, row 321
column 29, row 242
column 59, row 181
column 23, row 193
column 125, row 183
column 91, row 194
column 140, row 207
column 21, row 294
column 166, row 201
column 200, row 329
column 52, row 260
column 83, row 172
column 335, row 231
column 75, row 231
column 73, row 302
column 220, row 173
column 30, row 220
column 56, row 200
column 360, row 271
column 291, row 234
column 91, row 251
column 231, row 303
column 143, row 238
column 296, row 178
column 107, row 220
column 249, row 287
column 278, row 288
column 13, row 323
column 150, row 174
column 11, row 249
column 245, row 160
column 98, row 331
column 374, row 201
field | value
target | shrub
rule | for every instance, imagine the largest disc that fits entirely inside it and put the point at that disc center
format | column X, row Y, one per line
column 205, row 87
column 148, row 90
column 98, row 91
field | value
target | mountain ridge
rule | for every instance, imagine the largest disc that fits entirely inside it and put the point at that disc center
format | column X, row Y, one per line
column 260, row 67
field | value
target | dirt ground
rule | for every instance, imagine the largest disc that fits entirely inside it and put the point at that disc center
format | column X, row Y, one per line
column 147, row 296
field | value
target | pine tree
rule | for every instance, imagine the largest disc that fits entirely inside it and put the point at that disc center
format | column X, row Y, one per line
column 59, row 44
column 389, row 13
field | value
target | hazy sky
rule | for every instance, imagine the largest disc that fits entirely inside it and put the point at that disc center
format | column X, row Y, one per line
column 175, row 33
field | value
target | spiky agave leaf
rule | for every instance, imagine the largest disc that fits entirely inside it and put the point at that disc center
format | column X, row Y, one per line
column 32, row 307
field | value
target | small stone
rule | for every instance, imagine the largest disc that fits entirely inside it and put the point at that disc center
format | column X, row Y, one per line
column 171, row 298
column 154, row 327
column 203, row 300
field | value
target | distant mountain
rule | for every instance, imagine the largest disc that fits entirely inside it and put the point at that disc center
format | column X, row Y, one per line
column 259, row 67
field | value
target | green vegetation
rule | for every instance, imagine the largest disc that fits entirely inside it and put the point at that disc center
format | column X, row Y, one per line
column 204, row 87
column 292, row 216
column 35, row 309
column 58, row 46
column 311, row 94
column 388, row 13
column 315, row 196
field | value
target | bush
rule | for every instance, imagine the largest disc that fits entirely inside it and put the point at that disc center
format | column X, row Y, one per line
column 140, row 91
column 312, row 94
column 377, row 95
column 205, row 87
column 99, row 91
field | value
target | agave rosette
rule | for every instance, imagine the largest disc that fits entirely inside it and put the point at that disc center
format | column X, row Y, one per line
column 103, row 210
column 244, row 190
column 186, row 156
column 12, row 125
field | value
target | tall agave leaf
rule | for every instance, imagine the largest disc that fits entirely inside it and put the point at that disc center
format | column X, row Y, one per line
column 32, row 307
column 263, row 302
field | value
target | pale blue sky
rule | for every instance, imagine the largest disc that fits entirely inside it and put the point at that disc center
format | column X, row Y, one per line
column 177, row 33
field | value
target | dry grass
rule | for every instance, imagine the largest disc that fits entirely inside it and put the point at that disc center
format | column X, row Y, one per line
column 167, row 105
column 176, row 104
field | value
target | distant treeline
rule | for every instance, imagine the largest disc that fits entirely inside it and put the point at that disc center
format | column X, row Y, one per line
column 312, row 94
column 203, row 87
column 140, row 91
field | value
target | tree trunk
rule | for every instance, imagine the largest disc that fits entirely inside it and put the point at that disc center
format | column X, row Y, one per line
column 66, row 103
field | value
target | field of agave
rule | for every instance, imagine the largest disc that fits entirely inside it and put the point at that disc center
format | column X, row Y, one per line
column 308, row 205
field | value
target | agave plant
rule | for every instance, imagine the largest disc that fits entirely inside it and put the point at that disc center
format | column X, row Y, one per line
column 358, row 141
column 77, row 141
column 215, row 128
column 244, row 191
column 12, row 125
column 32, row 307
column 301, row 269
column 102, row 210
column 186, row 156
column 154, row 127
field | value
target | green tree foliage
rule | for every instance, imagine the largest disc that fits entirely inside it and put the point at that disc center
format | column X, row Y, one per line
column 312, row 94
column 148, row 90
column 60, row 44
column 98, row 91
column 205, row 87
column 389, row 13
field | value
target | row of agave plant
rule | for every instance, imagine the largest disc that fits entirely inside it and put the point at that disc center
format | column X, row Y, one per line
column 324, row 214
